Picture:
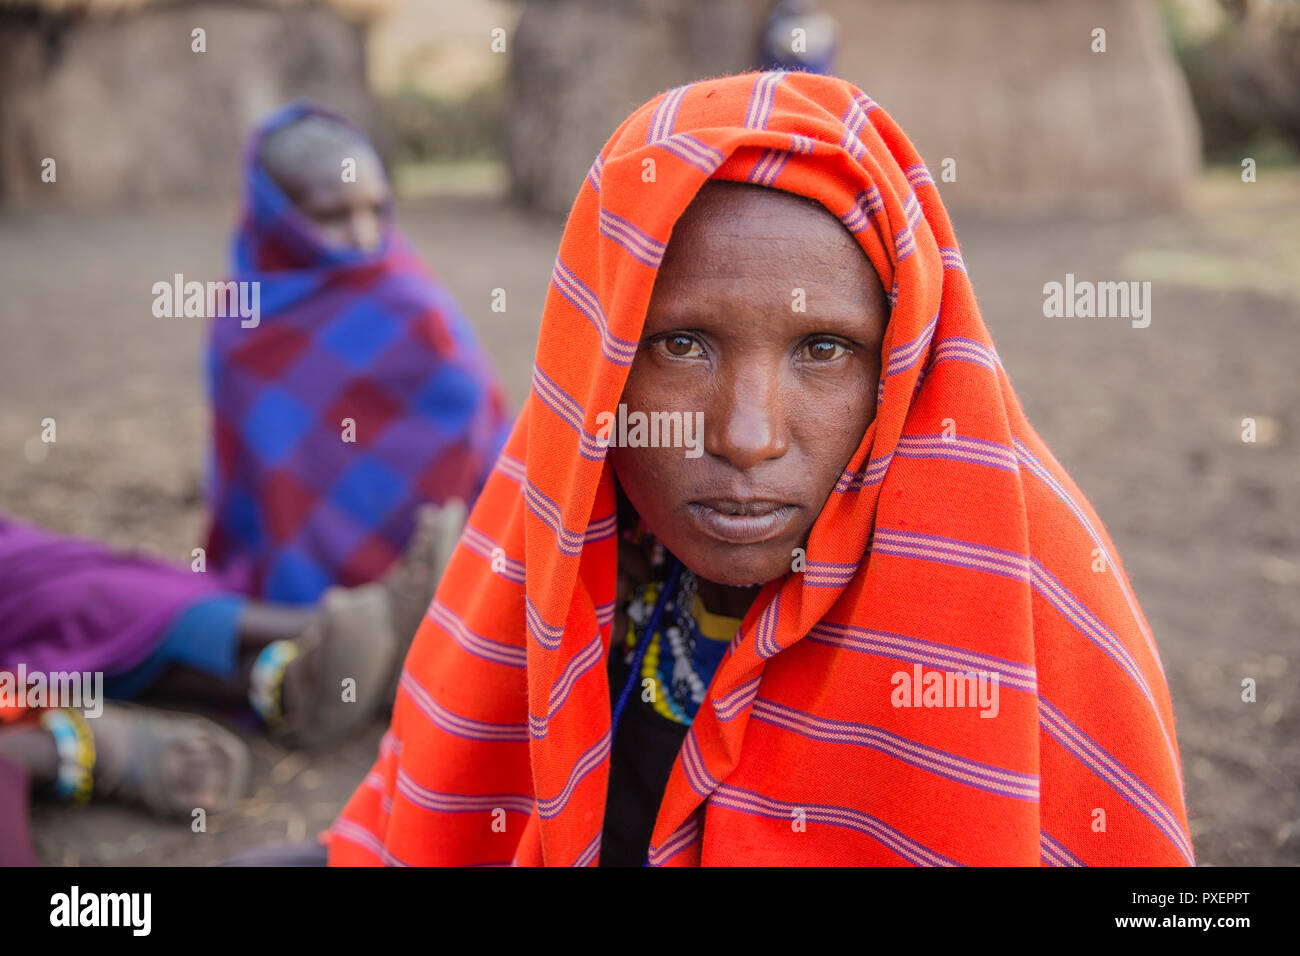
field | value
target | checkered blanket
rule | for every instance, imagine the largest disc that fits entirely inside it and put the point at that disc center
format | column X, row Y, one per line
column 359, row 394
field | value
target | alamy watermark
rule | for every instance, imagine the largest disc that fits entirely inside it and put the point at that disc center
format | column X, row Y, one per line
column 83, row 690
column 179, row 299
column 923, row 688
column 1084, row 299
column 133, row 911
column 653, row 430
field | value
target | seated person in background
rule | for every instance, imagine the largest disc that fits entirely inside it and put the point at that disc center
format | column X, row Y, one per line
column 862, row 624
column 150, row 628
column 360, row 392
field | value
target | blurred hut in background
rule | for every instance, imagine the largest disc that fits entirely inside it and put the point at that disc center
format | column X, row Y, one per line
column 142, row 99
column 1037, row 110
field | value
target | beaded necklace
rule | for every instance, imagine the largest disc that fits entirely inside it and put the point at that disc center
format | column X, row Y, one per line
column 665, row 649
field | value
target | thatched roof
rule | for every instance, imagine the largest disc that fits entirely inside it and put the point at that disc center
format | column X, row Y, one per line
column 352, row 9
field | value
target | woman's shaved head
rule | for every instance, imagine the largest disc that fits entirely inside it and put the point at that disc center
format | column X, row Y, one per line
column 332, row 173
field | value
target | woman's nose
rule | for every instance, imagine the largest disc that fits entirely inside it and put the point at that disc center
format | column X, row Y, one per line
column 746, row 422
column 365, row 231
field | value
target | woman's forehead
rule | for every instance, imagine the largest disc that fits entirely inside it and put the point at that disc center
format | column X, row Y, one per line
column 739, row 230
column 730, row 218
column 747, row 253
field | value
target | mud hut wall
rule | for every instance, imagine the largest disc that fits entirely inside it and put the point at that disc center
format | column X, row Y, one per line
column 129, row 111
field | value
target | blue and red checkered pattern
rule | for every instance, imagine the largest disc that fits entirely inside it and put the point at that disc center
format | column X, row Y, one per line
column 360, row 393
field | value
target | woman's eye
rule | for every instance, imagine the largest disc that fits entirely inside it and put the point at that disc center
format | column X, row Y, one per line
column 823, row 350
column 681, row 346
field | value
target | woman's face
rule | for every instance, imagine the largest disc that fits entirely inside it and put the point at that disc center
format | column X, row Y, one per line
column 335, row 179
column 768, row 318
column 348, row 214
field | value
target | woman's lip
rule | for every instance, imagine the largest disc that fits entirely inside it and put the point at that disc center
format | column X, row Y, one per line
column 763, row 521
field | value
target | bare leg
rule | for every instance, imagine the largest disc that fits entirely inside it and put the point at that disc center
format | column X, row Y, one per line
column 260, row 624
column 32, row 748
column 194, row 771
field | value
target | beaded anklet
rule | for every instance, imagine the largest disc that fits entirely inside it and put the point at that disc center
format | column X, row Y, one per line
column 75, row 744
column 266, row 683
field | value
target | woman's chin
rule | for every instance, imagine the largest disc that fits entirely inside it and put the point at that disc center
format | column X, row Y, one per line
column 737, row 571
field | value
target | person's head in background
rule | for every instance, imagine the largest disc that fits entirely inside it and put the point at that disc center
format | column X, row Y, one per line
column 332, row 174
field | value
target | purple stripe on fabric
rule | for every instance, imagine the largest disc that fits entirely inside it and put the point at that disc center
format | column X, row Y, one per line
column 694, row 151
column 512, row 468
column 958, row 448
column 903, row 357
column 568, row 411
column 681, row 838
column 905, row 238
column 579, row 664
column 854, row 119
column 605, row 613
column 870, row 201
column 972, row 773
column 757, row 804
column 735, row 702
column 1090, row 626
column 1119, row 777
column 509, row 569
column 855, row 220
column 456, row 724
column 585, row 764
column 568, row 542
column 508, row 654
column 665, row 115
column 601, row 528
column 918, row 175
column 765, row 643
column 641, row 246
column 1053, row 853
column 914, row 650
column 965, row 554
column 965, row 350
column 597, row 170
column 951, row 258
column 762, row 98
column 769, row 167
column 461, row 802
column 827, row 574
column 390, row 743
column 547, row 635
column 588, row 856
column 1040, row 471
column 696, row 770
column 617, row 350
column 865, row 103
column 802, row 144
column 875, row 473
column 355, row 833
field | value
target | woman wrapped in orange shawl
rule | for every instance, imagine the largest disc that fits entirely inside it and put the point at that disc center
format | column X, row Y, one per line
column 945, row 663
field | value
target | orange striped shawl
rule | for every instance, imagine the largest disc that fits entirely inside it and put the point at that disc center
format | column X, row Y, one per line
column 972, row 551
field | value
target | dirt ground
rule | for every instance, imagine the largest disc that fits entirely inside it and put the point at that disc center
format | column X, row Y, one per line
column 1148, row 421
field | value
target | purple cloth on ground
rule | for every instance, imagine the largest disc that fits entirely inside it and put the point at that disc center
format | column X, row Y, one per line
column 69, row 604
column 15, row 826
